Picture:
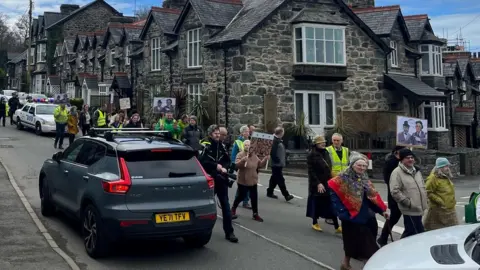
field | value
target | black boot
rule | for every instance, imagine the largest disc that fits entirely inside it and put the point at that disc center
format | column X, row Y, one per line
column 231, row 237
column 289, row 198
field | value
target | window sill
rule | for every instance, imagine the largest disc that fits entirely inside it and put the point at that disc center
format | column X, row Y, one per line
column 437, row 129
column 394, row 66
column 320, row 64
column 194, row 67
column 331, row 73
column 155, row 70
column 431, row 75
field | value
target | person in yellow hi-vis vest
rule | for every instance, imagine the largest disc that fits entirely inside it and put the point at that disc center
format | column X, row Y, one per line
column 61, row 117
column 100, row 118
column 338, row 154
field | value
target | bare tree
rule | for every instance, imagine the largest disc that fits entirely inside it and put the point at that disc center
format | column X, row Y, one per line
column 22, row 27
column 142, row 12
column 9, row 39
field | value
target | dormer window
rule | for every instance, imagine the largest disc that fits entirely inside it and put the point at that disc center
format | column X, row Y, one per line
column 431, row 63
column 394, row 53
column 319, row 45
column 127, row 59
column 464, row 87
column 111, row 58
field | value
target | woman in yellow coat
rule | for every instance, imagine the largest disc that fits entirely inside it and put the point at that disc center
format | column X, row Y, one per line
column 72, row 124
column 441, row 197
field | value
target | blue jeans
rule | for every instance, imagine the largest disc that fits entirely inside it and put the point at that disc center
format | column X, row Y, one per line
column 247, row 197
column 221, row 189
column 59, row 133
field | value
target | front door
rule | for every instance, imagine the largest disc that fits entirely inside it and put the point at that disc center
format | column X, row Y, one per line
column 315, row 110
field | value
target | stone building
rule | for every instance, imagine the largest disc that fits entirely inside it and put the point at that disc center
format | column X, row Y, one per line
column 16, row 70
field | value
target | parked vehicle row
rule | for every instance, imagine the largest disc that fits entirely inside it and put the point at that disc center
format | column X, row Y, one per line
column 37, row 116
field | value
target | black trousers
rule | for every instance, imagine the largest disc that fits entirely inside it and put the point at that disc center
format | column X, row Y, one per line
column 413, row 225
column 221, row 190
column 395, row 216
column 243, row 192
column 2, row 117
column 11, row 117
column 85, row 129
column 71, row 138
column 277, row 179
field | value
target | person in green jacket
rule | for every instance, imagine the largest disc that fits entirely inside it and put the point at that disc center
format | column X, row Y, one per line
column 169, row 124
column 182, row 123
column 60, row 114
column 441, row 197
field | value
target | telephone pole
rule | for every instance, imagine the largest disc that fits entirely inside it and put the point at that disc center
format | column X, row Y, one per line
column 29, row 52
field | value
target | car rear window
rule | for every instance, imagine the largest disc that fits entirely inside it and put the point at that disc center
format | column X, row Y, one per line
column 150, row 164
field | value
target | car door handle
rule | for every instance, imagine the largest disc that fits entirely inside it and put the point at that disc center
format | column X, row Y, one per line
column 86, row 178
column 65, row 172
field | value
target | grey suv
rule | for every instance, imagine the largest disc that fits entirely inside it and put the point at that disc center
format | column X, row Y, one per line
column 130, row 184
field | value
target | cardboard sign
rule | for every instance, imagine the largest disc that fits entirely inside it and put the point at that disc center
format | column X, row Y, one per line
column 124, row 103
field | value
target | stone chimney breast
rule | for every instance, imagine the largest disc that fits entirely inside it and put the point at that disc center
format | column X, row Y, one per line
column 68, row 9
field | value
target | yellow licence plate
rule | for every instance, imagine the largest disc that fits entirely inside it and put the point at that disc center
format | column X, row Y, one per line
column 172, row 217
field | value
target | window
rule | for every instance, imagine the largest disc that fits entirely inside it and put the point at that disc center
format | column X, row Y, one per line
column 70, row 87
column 434, row 112
column 25, row 108
column 111, row 58
column 194, row 97
column 156, row 90
column 70, row 154
column 155, row 54
column 32, row 56
column 464, row 87
column 103, row 89
column 193, row 49
column 39, row 83
column 41, row 52
column 394, row 53
column 431, row 63
column 318, row 108
column 127, row 59
column 91, row 153
column 321, row 45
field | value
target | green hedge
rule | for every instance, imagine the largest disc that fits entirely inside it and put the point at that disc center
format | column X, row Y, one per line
column 77, row 102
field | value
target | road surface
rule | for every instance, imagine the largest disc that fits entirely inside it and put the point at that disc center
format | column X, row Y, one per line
column 284, row 241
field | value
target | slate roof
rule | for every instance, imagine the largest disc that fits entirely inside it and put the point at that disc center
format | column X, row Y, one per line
column 21, row 57
column 12, row 55
column 132, row 32
column 34, row 26
column 68, row 43
column 40, row 23
column 462, row 64
column 79, row 41
column 115, row 33
column 430, row 36
column 170, row 47
column 90, row 79
column 476, row 69
column 80, row 10
column 121, row 79
column 165, row 18
column 380, row 19
column 54, row 80
column 314, row 16
column 413, row 85
column 416, row 25
column 52, row 17
column 449, row 68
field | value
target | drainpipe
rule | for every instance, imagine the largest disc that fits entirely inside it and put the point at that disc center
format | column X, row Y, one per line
column 225, row 86
column 475, row 123
column 386, row 62
column 170, row 62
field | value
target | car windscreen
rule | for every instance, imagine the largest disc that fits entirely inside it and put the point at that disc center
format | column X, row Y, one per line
column 149, row 164
column 37, row 96
column 45, row 109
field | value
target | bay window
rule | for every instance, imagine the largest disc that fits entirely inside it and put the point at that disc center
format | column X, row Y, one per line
column 394, row 53
column 155, row 54
column 434, row 112
column 194, row 95
column 193, row 48
column 127, row 59
column 319, row 44
column 317, row 107
column 41, row 52
column 431, row 63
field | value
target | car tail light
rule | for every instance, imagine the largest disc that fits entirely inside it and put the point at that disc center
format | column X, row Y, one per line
column 210, row 180
column 119, row 186
column 161, row 150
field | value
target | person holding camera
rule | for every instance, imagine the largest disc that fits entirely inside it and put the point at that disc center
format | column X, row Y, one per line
column 215, row 161
column 247, row 163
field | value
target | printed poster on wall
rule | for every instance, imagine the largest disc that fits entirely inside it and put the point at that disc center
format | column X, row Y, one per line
column 164, row 105
column 412, row 132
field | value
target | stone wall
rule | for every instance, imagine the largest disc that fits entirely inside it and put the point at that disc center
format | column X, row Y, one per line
column 405, row 64
column 95, row 17
column 439, row 140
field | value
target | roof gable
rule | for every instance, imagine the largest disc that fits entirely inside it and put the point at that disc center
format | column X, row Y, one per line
column 52, row 17
column 217, row 13
column 417, row 24
column 165, row 18
column 81, row 10
column 114, row 33
column 451, row 68
column 382, row 19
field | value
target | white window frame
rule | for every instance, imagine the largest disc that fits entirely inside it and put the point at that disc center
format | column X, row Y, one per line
column 194, row 41
column 194, row 93
column 111, row 57
column 303, row 39
column 322, row 107
column 126, row 52
column 70, row 89
column 103, row 89
column 439, row 122
column 155, row 54
column 464, row 87
column 41, row 53
column 394, row 53
column 32, row 56
column 435, row 66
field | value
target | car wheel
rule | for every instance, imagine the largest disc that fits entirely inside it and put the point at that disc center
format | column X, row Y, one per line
column 38, row 129
column 19, row 124
column 94, row 239
column 47, row 206
column 198, row 240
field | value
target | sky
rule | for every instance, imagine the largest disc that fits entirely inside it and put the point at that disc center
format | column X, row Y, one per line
column 447, row 16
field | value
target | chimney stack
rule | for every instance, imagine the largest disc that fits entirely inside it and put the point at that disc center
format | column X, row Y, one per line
column 68, row 9
column 360, row 3
column 174, row 4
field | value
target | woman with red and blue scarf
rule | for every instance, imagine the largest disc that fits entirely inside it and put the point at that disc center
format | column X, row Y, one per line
column 356, row 201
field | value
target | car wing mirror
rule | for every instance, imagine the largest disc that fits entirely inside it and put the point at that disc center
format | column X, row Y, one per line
column 57, row 156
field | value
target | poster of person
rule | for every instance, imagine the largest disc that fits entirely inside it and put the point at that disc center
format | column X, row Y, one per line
column 164, row 105
column 61, row 98
column 412, row 132
column 261, row 144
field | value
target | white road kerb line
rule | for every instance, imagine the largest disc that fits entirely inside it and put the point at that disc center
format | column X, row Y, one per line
column 289, row 249
column 37, row 221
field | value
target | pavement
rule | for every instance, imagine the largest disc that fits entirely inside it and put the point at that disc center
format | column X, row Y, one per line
column 284, row 241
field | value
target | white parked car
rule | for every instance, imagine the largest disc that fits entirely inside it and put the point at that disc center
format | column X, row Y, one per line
column 8, row 93
column 38, row 116
column 456, row 247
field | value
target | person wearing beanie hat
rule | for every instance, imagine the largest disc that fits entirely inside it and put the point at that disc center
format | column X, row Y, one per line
column 391, row 162
column 192, row 134
column 319, row 204
column 441, row 197
column 408, row 190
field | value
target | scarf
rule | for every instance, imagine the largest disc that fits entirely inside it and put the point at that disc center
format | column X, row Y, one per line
column 351, row 189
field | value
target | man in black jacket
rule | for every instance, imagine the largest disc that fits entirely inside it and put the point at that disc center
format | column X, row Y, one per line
column 3, row 110
column 215, row 160
column 13, row 103
column 391, row 162
column 278, row 155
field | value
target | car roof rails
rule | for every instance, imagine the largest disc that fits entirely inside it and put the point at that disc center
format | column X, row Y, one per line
column 109, row 133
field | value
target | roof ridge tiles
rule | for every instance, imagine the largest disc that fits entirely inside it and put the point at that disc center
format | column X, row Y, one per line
column 376, row 9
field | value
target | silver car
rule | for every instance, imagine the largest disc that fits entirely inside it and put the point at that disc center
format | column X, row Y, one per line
column 130, row 184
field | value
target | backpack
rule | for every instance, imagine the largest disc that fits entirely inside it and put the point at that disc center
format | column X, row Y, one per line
column 471, row 208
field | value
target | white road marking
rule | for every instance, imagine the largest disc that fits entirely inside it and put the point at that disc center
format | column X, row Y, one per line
column 37, row 221
column 298, row 197
column 467, row 197
column 287, row 248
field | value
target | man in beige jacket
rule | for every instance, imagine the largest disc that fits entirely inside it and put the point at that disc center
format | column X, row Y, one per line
column 408, row 190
